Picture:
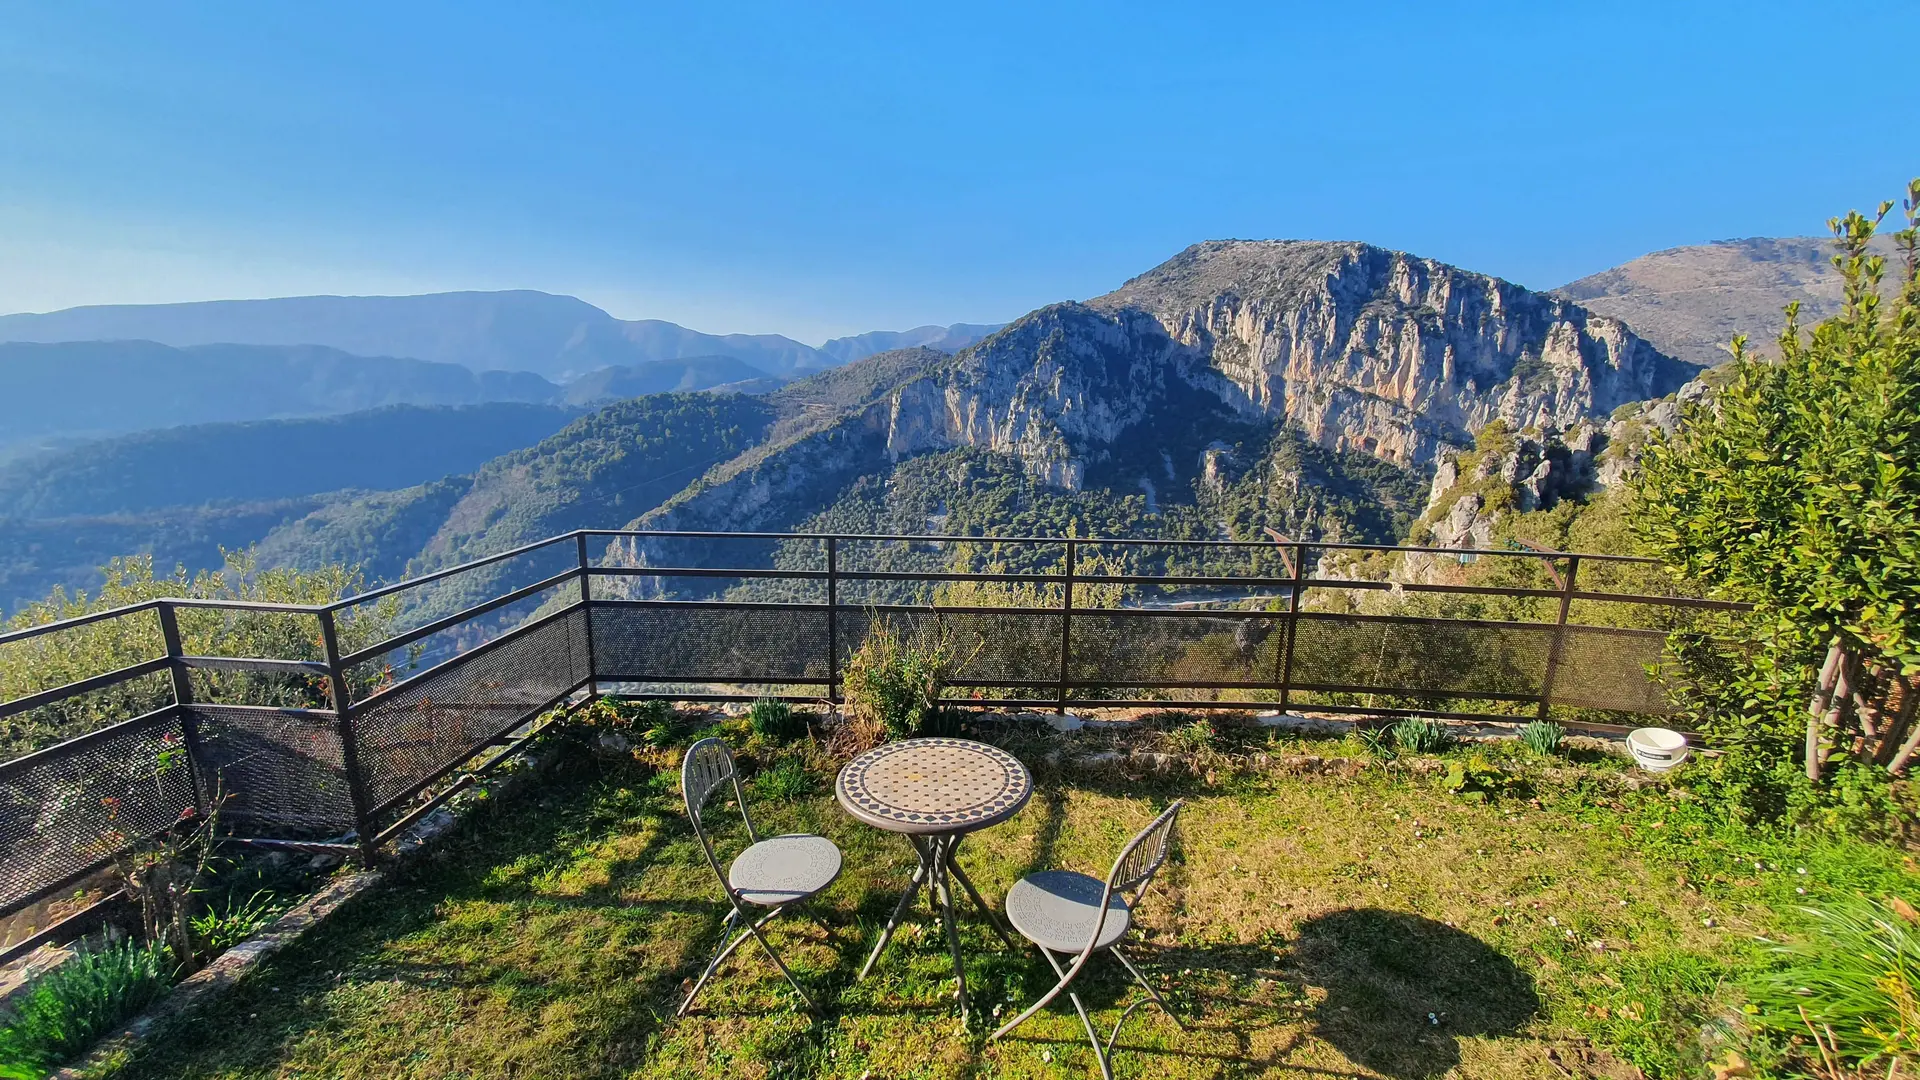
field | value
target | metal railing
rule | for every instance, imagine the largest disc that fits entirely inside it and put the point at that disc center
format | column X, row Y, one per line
column 1053, row 623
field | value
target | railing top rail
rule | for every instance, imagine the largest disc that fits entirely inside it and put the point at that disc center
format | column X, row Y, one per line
column 427, row 579
column 58, row 625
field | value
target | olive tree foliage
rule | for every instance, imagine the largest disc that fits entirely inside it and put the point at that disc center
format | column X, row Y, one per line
column 55, row 659
column 1795, row 488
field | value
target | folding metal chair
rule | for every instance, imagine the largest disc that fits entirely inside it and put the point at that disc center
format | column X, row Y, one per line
column 1066, row 913
column 777, row 872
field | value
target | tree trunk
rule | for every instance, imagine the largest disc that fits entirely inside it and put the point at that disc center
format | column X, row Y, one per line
column 1901, row 697
column 1817, row 709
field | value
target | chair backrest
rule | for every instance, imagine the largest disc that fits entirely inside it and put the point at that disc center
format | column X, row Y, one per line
column 1142, row 857
column 707, row 766
column 1132, row 872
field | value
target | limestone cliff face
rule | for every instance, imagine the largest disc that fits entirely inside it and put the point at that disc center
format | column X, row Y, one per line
column 1391, row 354
column 1363, row 349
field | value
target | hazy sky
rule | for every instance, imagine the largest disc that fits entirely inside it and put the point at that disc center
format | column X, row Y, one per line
column 823, row 168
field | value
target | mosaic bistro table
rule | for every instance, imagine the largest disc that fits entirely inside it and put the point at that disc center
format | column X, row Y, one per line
column 935, row 792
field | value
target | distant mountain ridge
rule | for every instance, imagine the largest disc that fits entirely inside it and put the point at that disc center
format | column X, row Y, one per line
column 945, row 338
column 1692, row 301
column 556, row 337
column 94, row 388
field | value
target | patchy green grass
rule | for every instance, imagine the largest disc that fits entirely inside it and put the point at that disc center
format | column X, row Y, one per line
column 1356, row 921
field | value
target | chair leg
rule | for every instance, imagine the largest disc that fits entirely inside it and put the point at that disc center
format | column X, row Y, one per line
column 781, row 964
column 1099, row 1053
column 728, row 944
column 1148, row 987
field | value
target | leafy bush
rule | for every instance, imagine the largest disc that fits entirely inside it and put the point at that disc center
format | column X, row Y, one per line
column 1794, row 489
column 1853, row 988
column 893, row 685
column 71, row 1006
column 1421, row 735
column 775, row 721
column 1543, row 737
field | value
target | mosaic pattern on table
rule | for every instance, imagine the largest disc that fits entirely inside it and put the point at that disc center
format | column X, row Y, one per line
column 936, row 782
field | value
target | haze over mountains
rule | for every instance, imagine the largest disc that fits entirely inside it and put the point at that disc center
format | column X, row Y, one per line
column 1241, row 385
column 556, row 337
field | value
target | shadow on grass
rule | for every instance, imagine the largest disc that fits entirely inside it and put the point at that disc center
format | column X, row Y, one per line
column 1402, row 989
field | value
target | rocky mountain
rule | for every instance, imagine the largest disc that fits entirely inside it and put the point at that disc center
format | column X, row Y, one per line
column 945, row 338
column 1360, row 350
column 1691, row 301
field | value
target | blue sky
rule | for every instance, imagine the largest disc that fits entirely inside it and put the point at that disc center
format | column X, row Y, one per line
column 817, row 168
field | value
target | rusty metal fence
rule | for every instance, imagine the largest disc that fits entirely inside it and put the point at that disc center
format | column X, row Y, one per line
column 1030, row 623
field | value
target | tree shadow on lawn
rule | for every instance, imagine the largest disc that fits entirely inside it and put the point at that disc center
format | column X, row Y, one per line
column 1402, row 989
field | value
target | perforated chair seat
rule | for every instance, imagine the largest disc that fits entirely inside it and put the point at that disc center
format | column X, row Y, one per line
column 1056, row 910
column 783, row 869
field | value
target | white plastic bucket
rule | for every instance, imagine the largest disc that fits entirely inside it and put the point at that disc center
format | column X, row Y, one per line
column 1658, row 749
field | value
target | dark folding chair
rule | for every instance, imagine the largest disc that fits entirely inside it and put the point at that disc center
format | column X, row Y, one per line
column 775, row 873
column 1065, row 914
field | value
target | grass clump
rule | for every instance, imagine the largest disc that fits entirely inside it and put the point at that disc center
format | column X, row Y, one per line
column 1543, row 737
column 894, row 684
column 79, row 1001
column 775, row 721
column 1421, row 735
column 785, row 782
column 1852, row 990
column 218, row 931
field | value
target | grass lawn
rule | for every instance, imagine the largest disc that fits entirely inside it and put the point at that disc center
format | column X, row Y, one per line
column 1348, row 921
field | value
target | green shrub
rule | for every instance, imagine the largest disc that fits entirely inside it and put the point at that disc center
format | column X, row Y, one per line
column 1475, row 778
column 1854, row 986
column 1421, row 735
column 894, row 684
column 1543, row 737
column 76, row 1003
column 775, row 721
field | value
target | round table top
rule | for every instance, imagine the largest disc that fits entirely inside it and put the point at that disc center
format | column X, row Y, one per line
column 934, row 786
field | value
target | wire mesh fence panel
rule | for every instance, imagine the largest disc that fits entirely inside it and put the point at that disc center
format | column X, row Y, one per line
column 32, row 729
column 66, row 809
column 1607, row 668
column 693, row 643
column 990, row 648
column 280, row 771
column 1374, row 653
column 416, row 730
column 1119, row 650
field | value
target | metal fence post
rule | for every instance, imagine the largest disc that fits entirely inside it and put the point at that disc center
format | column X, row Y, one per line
column 1559, row 635
column 833, row 620
column 586, row 613
column 1293, row 620
column 182, row 699
column 349, row 748
column 1066, row 630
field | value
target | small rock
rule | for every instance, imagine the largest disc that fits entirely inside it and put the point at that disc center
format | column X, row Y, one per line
column 613, row 742
column 323, row 862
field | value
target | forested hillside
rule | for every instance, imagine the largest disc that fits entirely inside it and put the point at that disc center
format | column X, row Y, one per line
column 379, row 449
column 599, row 470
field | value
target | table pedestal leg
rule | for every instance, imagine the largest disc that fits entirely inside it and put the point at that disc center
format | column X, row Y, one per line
column 967, row 884
column 942, row 860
